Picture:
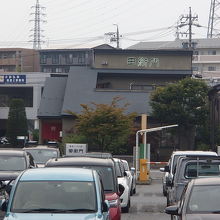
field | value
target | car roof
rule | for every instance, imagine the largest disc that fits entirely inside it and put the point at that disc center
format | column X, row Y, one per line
column 194, row 153
column 207, row 181
column 79, row 161
column 57, row 174
column 40, row 147
column 12, row 152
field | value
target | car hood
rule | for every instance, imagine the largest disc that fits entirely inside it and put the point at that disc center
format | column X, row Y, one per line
column 9, row 175
column 202, row 216
column 50, row 216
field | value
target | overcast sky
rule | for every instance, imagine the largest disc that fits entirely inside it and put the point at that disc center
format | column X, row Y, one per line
column 72, row 23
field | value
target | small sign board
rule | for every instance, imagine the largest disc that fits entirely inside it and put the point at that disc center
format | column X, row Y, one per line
column 13, row 79
column 75, row 149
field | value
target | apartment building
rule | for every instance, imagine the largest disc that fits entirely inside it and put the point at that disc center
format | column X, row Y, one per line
column 19, row 60
column 60, row 60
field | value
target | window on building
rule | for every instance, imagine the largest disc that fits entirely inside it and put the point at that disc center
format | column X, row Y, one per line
column 211, row 68
column 196, row 52
column 8, row 93
column 195, row 68
column 43, row 59
column 81, row 58
column 55, row 59
column 69, row 58
column 103, row 85
column 212, row 52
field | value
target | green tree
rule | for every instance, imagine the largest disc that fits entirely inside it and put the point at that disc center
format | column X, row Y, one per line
column 106, row 126
column 184, row 103
column 17, row 121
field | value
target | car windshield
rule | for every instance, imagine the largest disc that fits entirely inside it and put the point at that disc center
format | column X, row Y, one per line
column 12, row 163
column 202, row 169
column 204, row 199
column 42, row 155
column 55, row 196
column 106, row 174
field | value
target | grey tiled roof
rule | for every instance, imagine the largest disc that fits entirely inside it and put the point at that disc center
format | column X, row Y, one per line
column 85, row 93
column 204, row 43
column 52, row 98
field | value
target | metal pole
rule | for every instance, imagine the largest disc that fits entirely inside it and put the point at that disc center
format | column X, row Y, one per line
column 137, row 154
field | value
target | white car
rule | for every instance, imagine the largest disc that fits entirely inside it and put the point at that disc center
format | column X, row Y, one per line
column 123, row 180
column 131, row 177
column 170, row 168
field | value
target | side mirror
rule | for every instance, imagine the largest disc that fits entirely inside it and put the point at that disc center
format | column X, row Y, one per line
column 4, row 206
column 172, row 210
column 105, row 206
column 166, row 169
column 121, row 189
column 125, row 173
column 162, row 169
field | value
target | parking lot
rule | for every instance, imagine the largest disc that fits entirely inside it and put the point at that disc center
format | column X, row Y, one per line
column 148, row 202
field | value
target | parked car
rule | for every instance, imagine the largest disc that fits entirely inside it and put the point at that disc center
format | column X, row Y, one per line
column 57, row 193
column 190, row 167
column 106, row 169
column 131, row 177
column 123, row 180
column 200, row 200
column 170, row 167
column 12, row 162
column 42, row 153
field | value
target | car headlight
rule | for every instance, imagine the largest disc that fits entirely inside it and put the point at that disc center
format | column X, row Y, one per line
column 114, row 203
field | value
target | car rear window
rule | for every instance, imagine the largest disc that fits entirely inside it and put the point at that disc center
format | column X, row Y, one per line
column 12, row 163
column 195, row 169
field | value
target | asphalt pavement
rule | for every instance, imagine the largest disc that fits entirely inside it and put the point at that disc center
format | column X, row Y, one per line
column 148, row 202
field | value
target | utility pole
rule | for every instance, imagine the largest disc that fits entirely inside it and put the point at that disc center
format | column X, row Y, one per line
column 189, row 21
column 38, row 19
column 114, row 36
column 214, row 19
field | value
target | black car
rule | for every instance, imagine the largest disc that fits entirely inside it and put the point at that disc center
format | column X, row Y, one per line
column 200, row 200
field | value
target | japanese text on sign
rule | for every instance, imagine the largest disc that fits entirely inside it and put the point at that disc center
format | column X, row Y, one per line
column 143, row 61
column 13, row 79
column 75, row 149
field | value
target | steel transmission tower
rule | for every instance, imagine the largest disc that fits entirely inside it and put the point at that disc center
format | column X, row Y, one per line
column 38, row 19
column 214, row 19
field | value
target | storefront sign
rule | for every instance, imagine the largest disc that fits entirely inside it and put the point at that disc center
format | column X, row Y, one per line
column 143, row 61
column 12, row 79
column 75, row 149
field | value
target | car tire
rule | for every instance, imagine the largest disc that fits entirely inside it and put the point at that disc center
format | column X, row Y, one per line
column 134, row 191
column 126, row 208
column 168, row 201
column 131, row 192
column 164, row 192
